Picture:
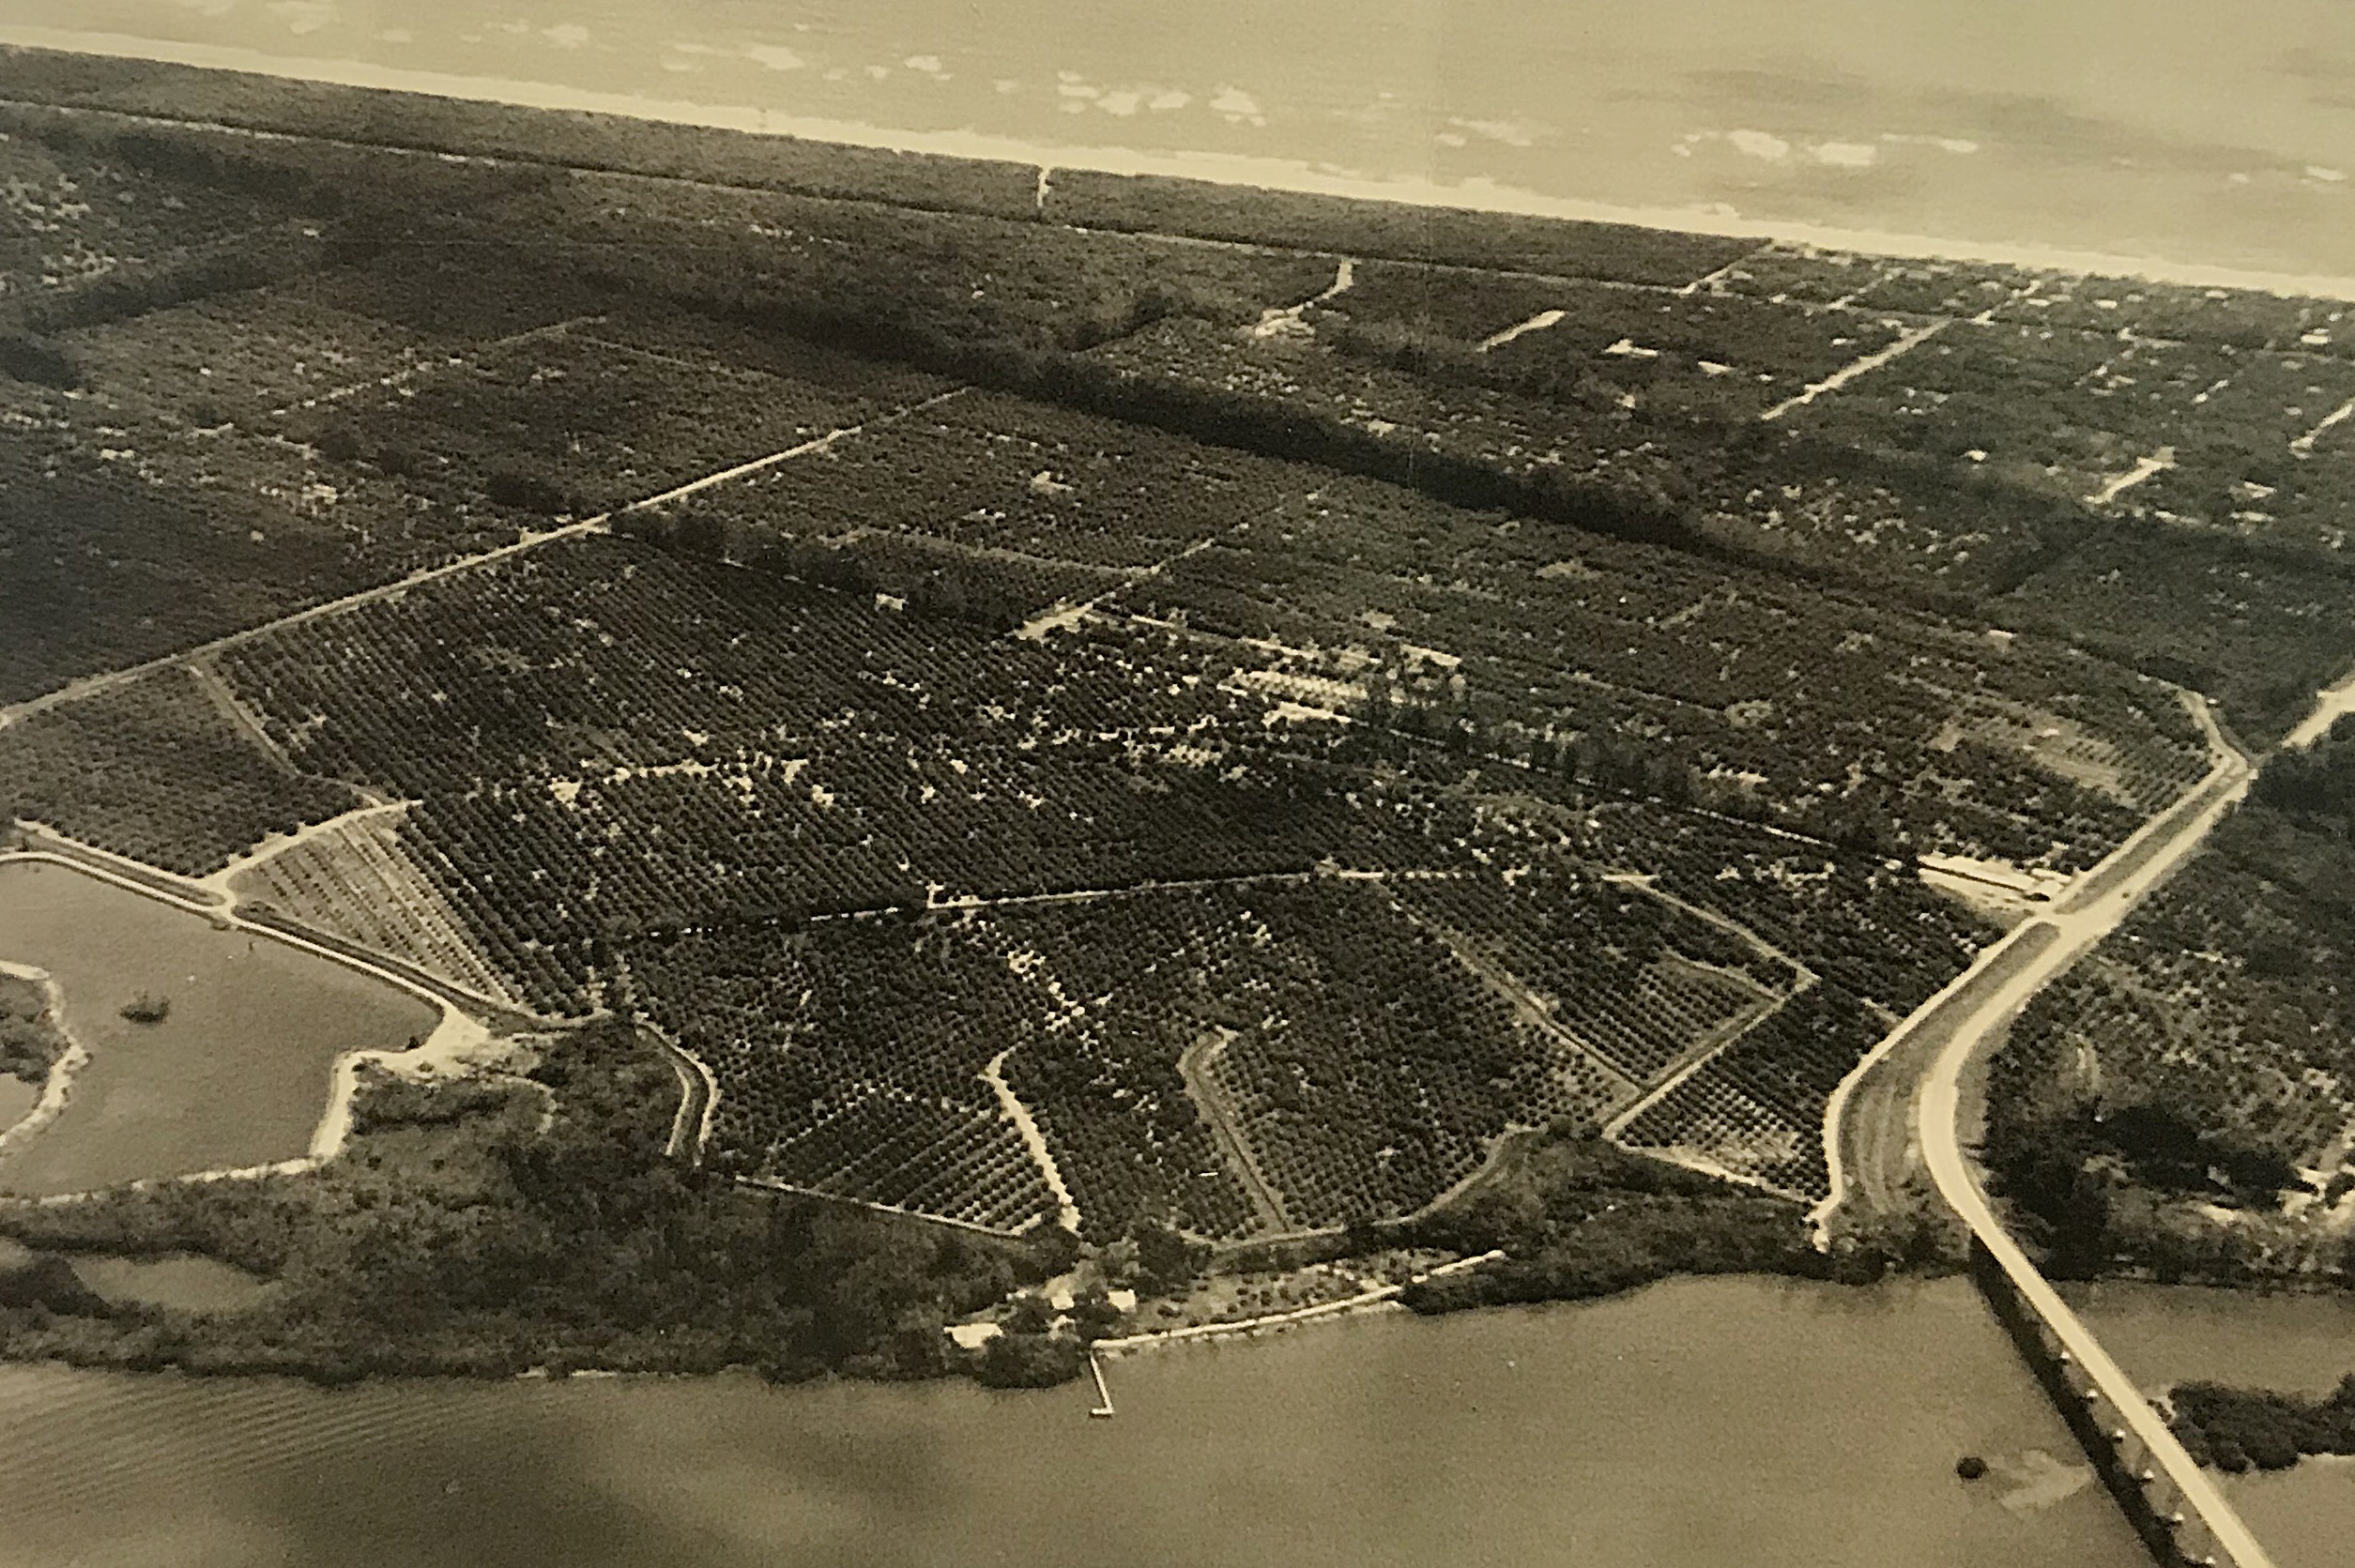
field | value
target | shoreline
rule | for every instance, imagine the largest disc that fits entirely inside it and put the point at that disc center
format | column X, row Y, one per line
column 1249, row 170
column 1276, row 1322
column 58, row 1088
column 454, row 1034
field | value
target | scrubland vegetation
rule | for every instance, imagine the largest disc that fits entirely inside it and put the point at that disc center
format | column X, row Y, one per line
column 455, row 1236
column 30, row 1041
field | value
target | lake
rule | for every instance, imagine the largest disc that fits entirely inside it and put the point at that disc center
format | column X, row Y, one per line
column 1703, row 1424
column 1737, row 1423
column 2199, row 135
column 235, row 1074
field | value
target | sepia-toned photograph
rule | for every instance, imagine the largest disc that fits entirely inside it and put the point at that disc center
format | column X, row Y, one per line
column 1073, row 783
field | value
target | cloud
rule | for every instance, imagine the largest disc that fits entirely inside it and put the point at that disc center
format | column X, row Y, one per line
column 396, row 34
column 566, row 35
column 208, row 7
column 879, row 72
column 518, row 26
column 928, row 64
column 1007, row 84
column 1124, row 103
column 774, row 56
column 1846, row 154
column 1237, row 106
column 304, row 16
column 1169, row 97
column 1957, row 145
column 1513, row 133
column 1758, row 143
column 2331, row 176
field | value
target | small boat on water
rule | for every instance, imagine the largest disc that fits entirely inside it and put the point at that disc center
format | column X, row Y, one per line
column 1103, row 1410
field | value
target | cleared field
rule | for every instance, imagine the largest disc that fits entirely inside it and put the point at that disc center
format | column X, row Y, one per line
column 2071, row 405
column 938, row 278
column 1389, row 644
column 1638, row 981
column 1735, row 355
column 1363, row 1067
column 1756, row 1111
column 1553, row 647
column 243, row 357
column 572, row 424
column 608, row 740
column 2233, row 318
column 69, row 214
column 1921, row 288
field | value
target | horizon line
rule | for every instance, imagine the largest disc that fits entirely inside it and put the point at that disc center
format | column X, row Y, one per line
column 1244, row 171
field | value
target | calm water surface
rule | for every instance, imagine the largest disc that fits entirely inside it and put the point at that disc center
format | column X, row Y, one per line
column 1719, row 1424
column 187, row 1282
column 2167, row 1334
column 17, row 1100
column 2198, row 133
column 236, row 1075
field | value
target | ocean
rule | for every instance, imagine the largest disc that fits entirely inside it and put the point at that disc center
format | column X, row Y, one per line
column 2204, row 142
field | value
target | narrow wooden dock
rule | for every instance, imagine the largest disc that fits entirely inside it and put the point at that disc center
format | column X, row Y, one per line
column 1103, row 1394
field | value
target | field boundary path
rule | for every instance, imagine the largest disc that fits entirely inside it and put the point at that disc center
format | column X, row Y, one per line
column 1719, row 1040
column 1033, row 1139
column 89, row 686
column 1196, row 1068
column 698, row 1100
column 1270, row 1322
column 276, row 844
column 1906, row 342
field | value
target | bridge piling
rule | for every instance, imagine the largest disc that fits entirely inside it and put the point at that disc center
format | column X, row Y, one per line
column 2124, row 1464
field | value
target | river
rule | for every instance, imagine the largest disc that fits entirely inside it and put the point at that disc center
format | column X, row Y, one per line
column 236, row 1074
column 2196, row 135
column 1703, row 1424
column 2165, row 1334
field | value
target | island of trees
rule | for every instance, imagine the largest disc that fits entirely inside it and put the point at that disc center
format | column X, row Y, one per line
column 2236, row 1430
